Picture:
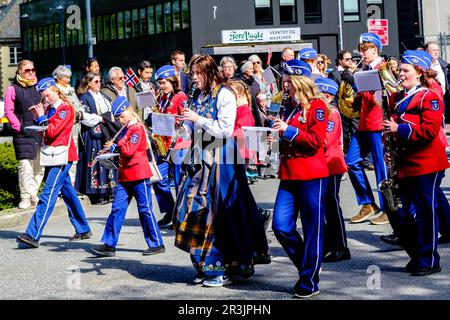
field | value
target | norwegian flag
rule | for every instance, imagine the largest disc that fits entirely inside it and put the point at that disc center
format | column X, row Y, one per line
column 269, row 56
column 131, row 78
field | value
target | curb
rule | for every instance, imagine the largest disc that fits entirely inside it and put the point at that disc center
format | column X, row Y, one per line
column 17, row 217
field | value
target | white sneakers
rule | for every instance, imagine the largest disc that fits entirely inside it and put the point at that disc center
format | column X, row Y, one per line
column 217, row 281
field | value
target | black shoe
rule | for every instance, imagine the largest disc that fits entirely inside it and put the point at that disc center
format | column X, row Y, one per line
column 444, row 239
column 24, row 238
column 411, row 266
column 81, row 236
column 337, row 255
column 421, row 271
column 262, row 258
column 303, row 293
column 104, row 250
column 155, row 250
column 391, row 239
column 165, row 222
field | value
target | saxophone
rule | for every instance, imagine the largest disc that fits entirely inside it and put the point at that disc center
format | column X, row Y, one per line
column 389, row 187
column 390, row 83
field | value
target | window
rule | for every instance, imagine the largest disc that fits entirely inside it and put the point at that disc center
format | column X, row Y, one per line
column 143, row 21
column 167, row 17
column 26, row 45
column 106, row 29
column 127, row 22
column 113, row 23
column 74, row 33
column 135, row 22
column 120, row 28
column 184, row 14
column 35, row 40
column 351, row 11
column 375, row 9
column 15, row 55
column 51, row 36
column 57, row 36
column 288, row 11
column 176, row 15
column 45, row 36
column 263, row 12
column 41, row 38
column 313, row 11
column 99, row 28
column 68, row 36
column 159, row 18
column 151, row 19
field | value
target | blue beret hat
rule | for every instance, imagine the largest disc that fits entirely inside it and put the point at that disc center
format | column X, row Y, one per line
column 371, row 37
column 45, row 83
column 297, row 68
column 119, row 105
column 165, row 72
column 307, row 53
column 327, row 85
column 418, row 58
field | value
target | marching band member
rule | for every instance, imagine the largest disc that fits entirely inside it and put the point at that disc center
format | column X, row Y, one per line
column 367, row 138
column 421, row 162
column 335, row 245
column 60, row 118
column 134, row 174
column 170, row 100
column 214, row 220
column 304, row 176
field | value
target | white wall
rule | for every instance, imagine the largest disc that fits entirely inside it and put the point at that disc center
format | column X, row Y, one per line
column 436, row 19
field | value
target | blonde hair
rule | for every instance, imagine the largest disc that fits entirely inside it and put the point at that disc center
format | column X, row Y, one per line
column 326, row 61
column 306, row 90
column 240, row 89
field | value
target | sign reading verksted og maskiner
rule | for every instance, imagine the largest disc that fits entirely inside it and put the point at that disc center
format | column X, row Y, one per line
column 260, row 35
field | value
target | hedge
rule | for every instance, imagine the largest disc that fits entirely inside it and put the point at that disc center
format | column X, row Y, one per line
column 9, row 183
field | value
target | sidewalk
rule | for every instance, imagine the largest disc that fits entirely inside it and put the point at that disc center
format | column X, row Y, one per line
column 16, row 217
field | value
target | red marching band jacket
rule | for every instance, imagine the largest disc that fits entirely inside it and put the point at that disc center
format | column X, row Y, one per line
column 302, row 146
column 371, row 116
column 421, row 151
column 133, row 160
column 59, row 129
column 333, row 144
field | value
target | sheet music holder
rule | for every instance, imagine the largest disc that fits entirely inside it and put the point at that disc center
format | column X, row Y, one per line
column 105, row 160
column 256, row 138
column 36, row 128
column 145, row 99
column 368, row 81
column 163, row 124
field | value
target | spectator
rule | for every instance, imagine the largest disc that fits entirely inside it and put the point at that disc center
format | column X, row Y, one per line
column 393, row 66
column 247, row 76
column 178, row 60
column 322, row 63
column 117, row 87
column 286, row 55
column 90, row 65
column 96, row 182
column 21, row 95
column 268, row 88
column 228, row 67
column 438, row 64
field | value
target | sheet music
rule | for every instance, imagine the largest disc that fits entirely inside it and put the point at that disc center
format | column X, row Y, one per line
column 108, row 164
column 256, row 138
column 368, row 80
column 145, row 99
column 163, row 124
column 106, row 156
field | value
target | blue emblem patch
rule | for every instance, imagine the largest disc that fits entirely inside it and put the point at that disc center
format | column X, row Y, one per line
column 62, row 115
column 320, row 114
column 134, row 138
column 330, row 126
column 435, row 105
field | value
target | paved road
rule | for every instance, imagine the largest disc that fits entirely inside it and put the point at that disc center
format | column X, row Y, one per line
column 64, row 270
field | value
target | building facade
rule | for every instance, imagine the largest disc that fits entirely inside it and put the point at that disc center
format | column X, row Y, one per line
column 126, row 32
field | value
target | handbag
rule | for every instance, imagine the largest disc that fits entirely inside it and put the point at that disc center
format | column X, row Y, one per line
column 55, row 156
column 156, row 177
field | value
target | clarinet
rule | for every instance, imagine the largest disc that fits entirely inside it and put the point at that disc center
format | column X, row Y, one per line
column 189, row 105
column 279, row 116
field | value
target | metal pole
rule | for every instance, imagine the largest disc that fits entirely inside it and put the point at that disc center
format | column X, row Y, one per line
column 341, row 40
column 89, row 29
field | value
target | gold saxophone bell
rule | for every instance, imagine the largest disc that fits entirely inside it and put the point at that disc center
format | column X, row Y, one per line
column 390, row 82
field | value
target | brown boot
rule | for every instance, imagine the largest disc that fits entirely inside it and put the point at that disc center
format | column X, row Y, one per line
column 367, row 211
column 381, row 219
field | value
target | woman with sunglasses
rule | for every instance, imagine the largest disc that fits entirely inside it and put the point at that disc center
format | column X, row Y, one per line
column 322, row 63
column 21, row 95
column 268, row 88
column 96, row 182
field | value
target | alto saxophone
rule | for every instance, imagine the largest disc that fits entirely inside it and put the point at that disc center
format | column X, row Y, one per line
column 389, row 187
column 158, row 141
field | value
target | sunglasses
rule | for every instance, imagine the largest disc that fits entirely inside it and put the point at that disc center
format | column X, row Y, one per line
column 347, row 59
column 121, row 78
column 30, row 70
column 96, row 81
column 257, row 62
column 319, row 62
